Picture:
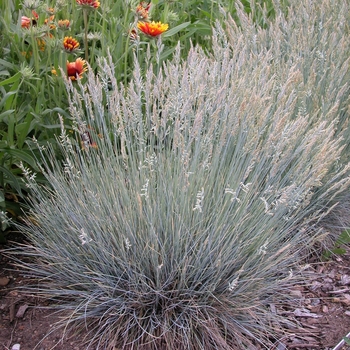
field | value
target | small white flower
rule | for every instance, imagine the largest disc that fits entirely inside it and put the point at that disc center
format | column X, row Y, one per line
column 127, row 243
column 84, row 237
column 267, row 207
column 68, row 167
column 234, row 194
column 144, row 190
column 245, row 187
column 199, row 200
column 29, row 175
column 232, row 285
column 262, row 250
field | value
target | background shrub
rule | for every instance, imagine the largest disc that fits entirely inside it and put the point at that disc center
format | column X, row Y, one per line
column 185, row 204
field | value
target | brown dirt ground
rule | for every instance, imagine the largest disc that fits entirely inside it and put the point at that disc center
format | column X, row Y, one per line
column 323, row 312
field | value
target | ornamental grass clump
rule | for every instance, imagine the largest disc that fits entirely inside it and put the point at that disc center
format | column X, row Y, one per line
column 188, row 200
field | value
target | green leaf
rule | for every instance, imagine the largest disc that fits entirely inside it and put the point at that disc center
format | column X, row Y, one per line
column 15, row 208
column 207, row 14
column 346, row 340
column 22, row 155
column 12, row 79
column 339, row 251
column 202, row 28
column 14, row 88
column 176, row 29
column 10, row 131
column 22, row 130
column 5, row 114
column 53, row 126
column 2, row 199
column 6, row 96
column 344, row 237
column 11, row 180
column 167, row 53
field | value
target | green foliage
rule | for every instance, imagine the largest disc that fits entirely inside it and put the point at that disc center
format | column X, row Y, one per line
column 184, row 205
column 338, row 248
column 17, row 125
column 347, row 340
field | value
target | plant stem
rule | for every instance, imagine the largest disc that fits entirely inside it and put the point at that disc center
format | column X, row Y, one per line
column 127, row 43
column 35, row 52
column 85, row 14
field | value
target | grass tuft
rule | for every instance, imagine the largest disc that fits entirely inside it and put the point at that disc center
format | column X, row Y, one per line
column 184, row 205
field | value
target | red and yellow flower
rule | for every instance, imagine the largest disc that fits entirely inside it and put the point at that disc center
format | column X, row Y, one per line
column 142, row 10
column 50, row 11
column 152, row 29
column 63, row 24
column 26, row 22
column 89, row 3
column 76, row 69
column 70, row 44
column 48, row 21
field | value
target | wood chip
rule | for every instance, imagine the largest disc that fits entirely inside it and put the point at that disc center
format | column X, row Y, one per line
column 296, row 293
column 308, row 346
column 12, row 312
column 273, row 308
column 305, row 313
column 345, row 280
column 339, row 291
column 22, row 309
column 4, row 281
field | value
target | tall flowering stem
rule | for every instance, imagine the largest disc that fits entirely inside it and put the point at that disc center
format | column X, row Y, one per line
column 85, row 14
column 87, row 5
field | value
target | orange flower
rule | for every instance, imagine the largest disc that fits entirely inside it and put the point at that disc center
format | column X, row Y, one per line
column 50, row 10
column 152, row 29
column 89, row 3
column 63, row 24
column 142, row 10
column 41, row 44
column 26, row 21
column 35, row 14
column 133, row 35
column 76, row 69
column 27, row 54
column 70, row 44
column 48, row 21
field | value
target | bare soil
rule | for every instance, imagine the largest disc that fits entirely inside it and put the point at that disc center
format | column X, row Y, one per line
column 323, row 312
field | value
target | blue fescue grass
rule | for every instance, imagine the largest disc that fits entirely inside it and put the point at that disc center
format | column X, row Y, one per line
column 190, row 197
